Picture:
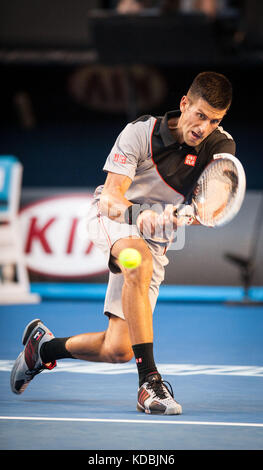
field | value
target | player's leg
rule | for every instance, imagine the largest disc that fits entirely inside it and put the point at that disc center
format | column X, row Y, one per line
column 42, row 349
column 153, row 394
column 112, row 345
column 135, row 292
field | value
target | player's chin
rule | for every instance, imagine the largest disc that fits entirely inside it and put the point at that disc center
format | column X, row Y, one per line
column 193, row 140
column 192, row 143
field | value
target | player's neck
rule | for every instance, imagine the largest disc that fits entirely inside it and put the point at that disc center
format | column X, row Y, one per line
column 175, row 130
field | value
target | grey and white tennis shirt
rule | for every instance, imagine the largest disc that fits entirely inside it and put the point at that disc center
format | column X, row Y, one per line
column 162, row 170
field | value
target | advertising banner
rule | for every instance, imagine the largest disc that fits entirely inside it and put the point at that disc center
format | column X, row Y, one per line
column 54, row 238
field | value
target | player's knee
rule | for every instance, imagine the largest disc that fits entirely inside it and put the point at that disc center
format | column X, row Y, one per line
column 143, row 273
column 139, row 277
column 119, row 355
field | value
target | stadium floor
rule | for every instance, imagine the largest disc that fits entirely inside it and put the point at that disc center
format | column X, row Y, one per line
column 211, row 353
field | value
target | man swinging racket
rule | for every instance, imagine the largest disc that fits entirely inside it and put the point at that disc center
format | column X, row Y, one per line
column 155, row 161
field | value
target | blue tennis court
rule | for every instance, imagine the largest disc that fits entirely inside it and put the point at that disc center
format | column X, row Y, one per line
column 132, row 88
column 211, row 353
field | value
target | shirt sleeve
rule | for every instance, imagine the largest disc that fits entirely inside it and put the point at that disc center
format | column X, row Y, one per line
column 127, row 150
column 222, row 143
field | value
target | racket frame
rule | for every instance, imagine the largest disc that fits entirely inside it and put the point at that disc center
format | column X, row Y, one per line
column 240, row 193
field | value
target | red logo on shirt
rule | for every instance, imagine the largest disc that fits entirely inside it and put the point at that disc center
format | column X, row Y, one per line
column 120, row 158
column 190, row 160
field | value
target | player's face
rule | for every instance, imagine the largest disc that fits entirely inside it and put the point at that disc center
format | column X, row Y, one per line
column 198, row 120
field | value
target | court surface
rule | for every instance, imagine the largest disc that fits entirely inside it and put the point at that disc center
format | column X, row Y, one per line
column 211, row 353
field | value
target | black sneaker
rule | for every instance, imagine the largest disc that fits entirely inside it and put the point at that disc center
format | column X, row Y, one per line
column 154, row 397
column 29, row 363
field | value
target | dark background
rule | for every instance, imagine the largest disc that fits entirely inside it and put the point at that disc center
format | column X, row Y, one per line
column 49, row 48
column 74, row 72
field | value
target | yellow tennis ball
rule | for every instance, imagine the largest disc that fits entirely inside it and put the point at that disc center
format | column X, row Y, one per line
column 130, row 258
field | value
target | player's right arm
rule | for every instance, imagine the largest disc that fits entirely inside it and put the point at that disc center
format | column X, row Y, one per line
column 121, row 164
column 113, row 203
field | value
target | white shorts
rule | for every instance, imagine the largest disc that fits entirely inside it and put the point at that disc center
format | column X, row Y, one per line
column 104, row 232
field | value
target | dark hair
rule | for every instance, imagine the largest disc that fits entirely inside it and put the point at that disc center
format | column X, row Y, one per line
column 214, row 88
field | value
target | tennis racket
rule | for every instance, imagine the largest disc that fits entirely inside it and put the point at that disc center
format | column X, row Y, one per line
column 218, row 194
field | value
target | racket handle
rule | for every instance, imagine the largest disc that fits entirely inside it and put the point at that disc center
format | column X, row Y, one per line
column 186, row 214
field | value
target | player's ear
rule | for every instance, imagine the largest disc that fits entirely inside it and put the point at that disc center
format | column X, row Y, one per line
column 183, row 103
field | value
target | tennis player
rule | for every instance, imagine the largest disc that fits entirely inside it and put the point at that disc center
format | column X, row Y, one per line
column 155, row 162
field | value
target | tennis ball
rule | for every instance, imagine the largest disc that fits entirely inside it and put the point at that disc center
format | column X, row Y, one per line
column 130, row 258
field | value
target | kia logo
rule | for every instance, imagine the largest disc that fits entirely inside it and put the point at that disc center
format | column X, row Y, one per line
column 54, row 237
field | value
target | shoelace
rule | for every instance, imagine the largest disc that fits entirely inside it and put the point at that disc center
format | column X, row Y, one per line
column 160, row 388
column 39, row 369
column 35, row 371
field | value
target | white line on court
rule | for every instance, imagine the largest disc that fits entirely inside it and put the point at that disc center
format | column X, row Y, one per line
column 82, row 367
column 131, row 421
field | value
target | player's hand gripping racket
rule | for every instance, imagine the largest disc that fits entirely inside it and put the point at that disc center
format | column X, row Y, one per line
column 218, row 194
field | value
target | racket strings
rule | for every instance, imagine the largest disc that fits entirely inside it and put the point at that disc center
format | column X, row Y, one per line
column 216, row 191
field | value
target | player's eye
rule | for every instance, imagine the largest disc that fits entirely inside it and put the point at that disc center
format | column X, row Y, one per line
column 201, row 116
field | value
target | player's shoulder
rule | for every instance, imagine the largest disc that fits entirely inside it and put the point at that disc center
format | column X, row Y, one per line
column 144, row 122
column 136, row 135
column 221, row 134
column 220, row 141
column 144, row 118
column 140, row 128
